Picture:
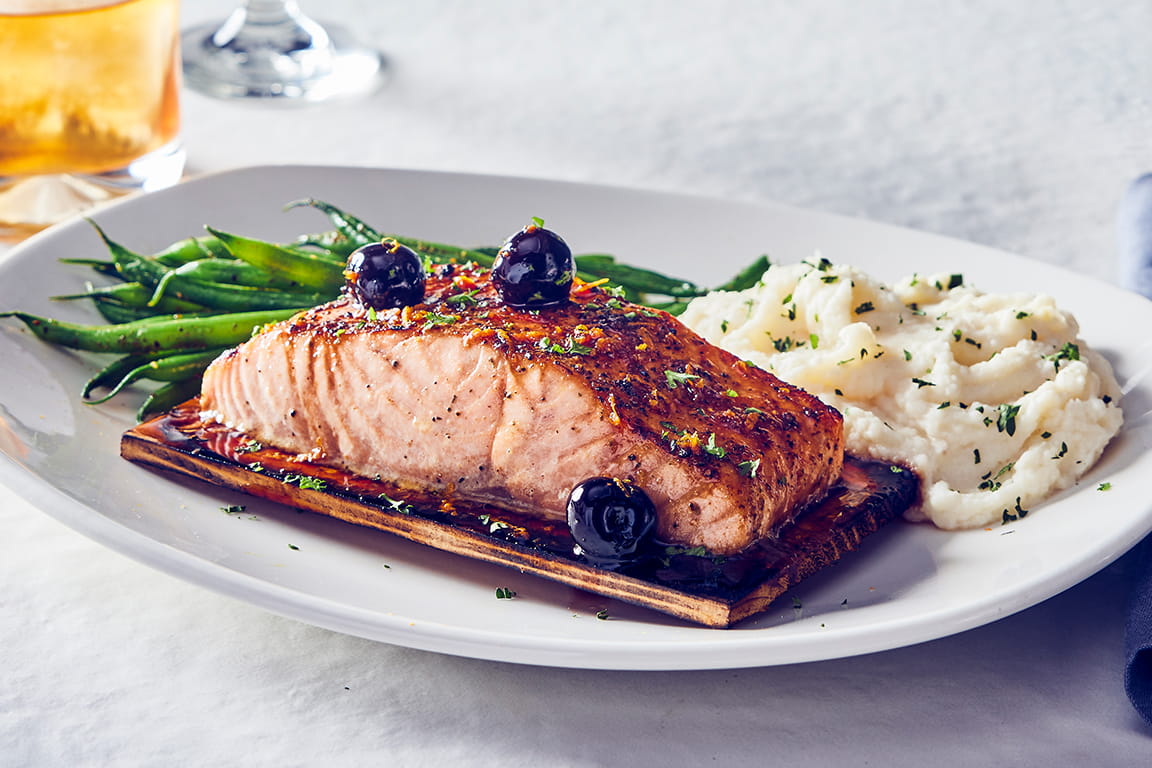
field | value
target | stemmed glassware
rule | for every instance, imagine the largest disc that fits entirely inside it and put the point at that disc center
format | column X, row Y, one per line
column 268, row 49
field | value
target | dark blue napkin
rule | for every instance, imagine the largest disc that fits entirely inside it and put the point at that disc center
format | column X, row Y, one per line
column 1138, row 634
column 1134, row 231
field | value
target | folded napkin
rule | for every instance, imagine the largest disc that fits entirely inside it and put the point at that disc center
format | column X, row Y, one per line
column 1138, row 635
column 1134, row 232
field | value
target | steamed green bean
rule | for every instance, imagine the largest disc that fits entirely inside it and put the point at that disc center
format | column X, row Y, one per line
column 151, row 335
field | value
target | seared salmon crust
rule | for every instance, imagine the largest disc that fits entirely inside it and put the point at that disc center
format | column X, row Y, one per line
column 465, row 395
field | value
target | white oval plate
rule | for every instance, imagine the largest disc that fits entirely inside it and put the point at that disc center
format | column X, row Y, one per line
column 909, row 583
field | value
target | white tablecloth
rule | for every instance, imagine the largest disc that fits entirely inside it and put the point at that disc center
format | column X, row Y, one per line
column 1014, row 125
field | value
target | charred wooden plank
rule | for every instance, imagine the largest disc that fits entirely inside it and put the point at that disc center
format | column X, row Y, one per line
column 687, row 583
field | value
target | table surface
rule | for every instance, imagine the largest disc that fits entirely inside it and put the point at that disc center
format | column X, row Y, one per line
column 1012, row 125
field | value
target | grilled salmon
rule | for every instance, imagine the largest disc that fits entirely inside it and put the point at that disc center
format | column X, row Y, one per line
column 467, row 396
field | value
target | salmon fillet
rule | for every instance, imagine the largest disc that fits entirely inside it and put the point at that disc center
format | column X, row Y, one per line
column 465, row 395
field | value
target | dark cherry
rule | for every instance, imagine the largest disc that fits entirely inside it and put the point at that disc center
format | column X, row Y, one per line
column 385, row 275
column 610, row 519
column 533, row 269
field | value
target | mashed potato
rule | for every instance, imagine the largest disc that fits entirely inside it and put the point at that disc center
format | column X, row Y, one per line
column 991, row 398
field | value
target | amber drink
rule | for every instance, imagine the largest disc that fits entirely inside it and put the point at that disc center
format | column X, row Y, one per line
column 89, row 104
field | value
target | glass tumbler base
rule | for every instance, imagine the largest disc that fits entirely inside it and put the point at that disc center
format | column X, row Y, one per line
column 29, row 204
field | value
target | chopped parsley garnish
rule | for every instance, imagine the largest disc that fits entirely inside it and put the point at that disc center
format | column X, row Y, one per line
column 673, row 378
column 1063, row 450
column 1018, row 513
column 921, row 383
column 1006, row 421
column 748, row 468
column 712, row 449
column 233, row 509
column 492, row 525
column 306, row 482
column 435, row 318
column 294, row 547
column 570, row 347
column 463, row 299
column 1104, row 487
column 1067, row 352
column 783, row 345
column 991, row 483
column 864, row 307
column 398, row 505
column 697, row 551
column 504, row 593
column 602, row 614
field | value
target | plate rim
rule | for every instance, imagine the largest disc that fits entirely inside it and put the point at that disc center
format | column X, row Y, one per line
column 744, row 648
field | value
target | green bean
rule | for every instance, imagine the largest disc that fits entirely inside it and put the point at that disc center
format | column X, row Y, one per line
column 168, row 396
column 331, row 245
column 192, row 249
column 747, row 277
column 101, row 266
column 173, row 332
column 643, row 280
column 236, row 298
column 132, row 266
column 177, row 367
column 240, row 298
column 356, row 233
column 442, row 252
column 132, row 295
column 671, row 307
column 353, row 229
column 113, row 373
column 116, row 313
column 306, row 269
column 232, row 272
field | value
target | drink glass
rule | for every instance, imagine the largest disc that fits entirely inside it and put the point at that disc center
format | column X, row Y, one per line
column 269, row 49
column 89, row 105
